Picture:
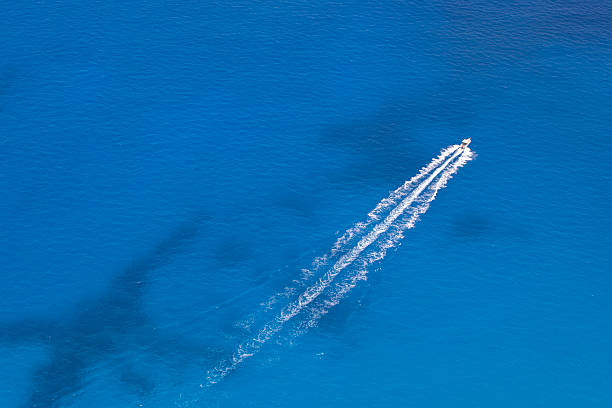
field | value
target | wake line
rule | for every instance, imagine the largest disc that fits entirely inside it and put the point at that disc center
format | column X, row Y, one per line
column 342, row 288
column 315, row 290
column 356, row 229
column 395, row 195
column 248, row 348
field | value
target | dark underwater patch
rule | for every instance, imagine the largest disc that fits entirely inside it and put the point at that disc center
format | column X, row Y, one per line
column 59, row 377
column 137, row 382
column 232, row 251
column 387, row 144
column 299, row 203
column 380, row 143
column 8, row 77
column 469, row 226
column 101, row 327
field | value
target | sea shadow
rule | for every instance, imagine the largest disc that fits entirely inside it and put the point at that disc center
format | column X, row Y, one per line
column 387, row 144
column 8, row 75
column 232, row 251
column 379, row 144
column 100, row 329
column 8, row 79
column 469, row 226
column 299, row 203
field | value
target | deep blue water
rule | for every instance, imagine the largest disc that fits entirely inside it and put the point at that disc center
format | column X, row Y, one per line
column 165, row 167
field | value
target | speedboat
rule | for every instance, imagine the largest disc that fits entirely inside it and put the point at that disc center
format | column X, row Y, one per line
column 466, row 142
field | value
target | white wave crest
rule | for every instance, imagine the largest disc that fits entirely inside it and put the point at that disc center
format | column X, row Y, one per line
column 418, row 190
column 393, row 237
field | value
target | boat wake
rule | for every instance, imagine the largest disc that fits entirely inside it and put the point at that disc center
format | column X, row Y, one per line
column 333, row 275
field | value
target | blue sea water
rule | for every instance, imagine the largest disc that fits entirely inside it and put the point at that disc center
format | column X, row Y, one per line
column 166, row 167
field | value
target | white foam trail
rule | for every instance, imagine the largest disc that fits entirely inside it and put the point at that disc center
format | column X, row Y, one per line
column 426, row 200
column 341, row 243
column 248, row 348
column 342, row 288
column 395, row 195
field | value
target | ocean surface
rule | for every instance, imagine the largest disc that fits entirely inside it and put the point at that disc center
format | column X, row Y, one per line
column 169, row 170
